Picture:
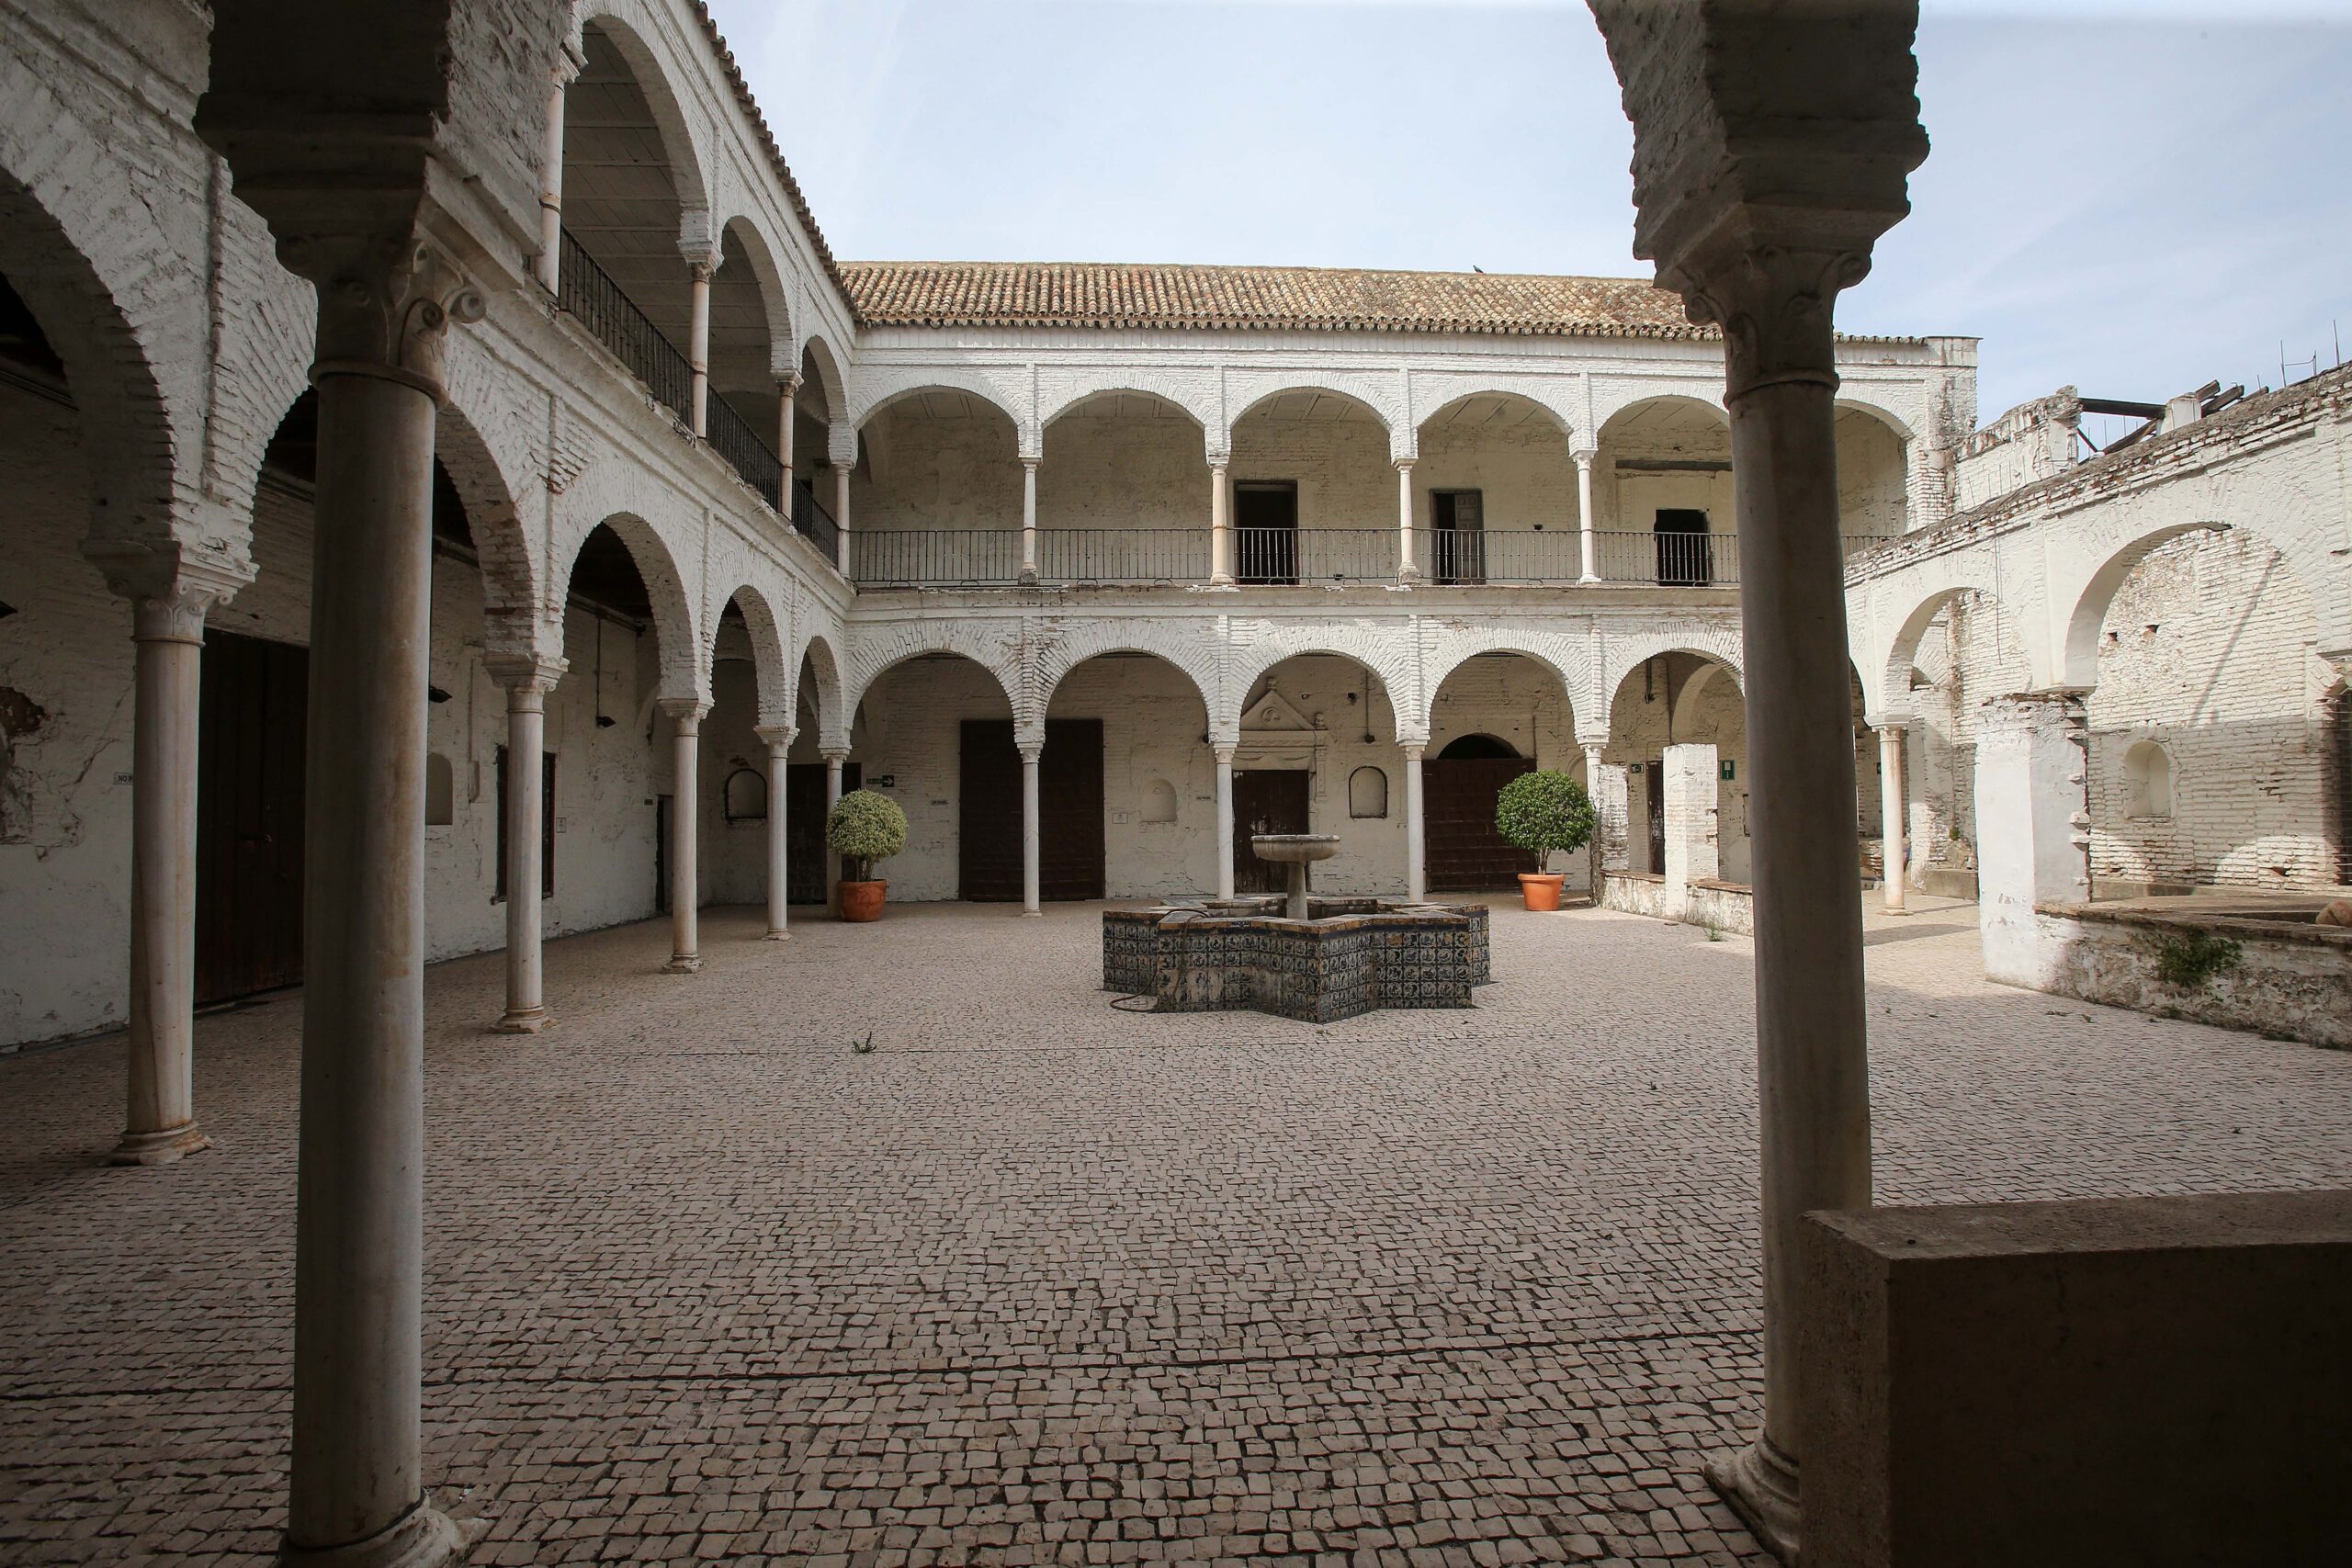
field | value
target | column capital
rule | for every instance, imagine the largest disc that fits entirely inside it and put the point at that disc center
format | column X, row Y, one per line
column 1414, row 746
column 1224, row 753
column 386, row 300
column 524, row 671
column 834, row 755
column 1403, row 465
column 1030, row 752
column 702, row 260
column 778, row 738
column 170, row 594
column 1220, row 461
column 1584, row 455
column 686, row 712
column 788, row 384
column 1893, row 728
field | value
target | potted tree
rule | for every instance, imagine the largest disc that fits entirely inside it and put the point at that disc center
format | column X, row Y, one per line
column 1544, row 812
column 863, row 828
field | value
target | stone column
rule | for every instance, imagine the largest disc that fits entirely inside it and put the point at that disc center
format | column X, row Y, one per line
column 527, row 681
column 1028, row 519
column 1587, row 540
column 356, row 1494
column 1692, row 851
column 2032, row 828
column 551, row 263
column 1220, row 528
column 167, row 632
column 1225, row 821
column 1030, row 839
column 685, row 886
column 786, row 389
column 1892, row 814
column 1416, row 877
column 833, row 762
column 698, row 347
column 778, row 738
column 841, row 517
column 1406, row 569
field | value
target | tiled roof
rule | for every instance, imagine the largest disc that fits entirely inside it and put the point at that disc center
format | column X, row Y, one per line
column 1098, row 294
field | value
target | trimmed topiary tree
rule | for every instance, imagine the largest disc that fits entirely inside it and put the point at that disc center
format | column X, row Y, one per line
column 1544, row 812
column 863, row 827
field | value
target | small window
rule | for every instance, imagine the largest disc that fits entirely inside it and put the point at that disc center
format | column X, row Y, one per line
column 746, row 798
column 1159, row 801
column 440, row 791
column 2147, row 782
column 1367, row 793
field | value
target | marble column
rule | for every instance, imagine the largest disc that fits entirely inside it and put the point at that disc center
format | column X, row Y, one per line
column 1893, row 814
column 526, row 682
column 833, row 763
column 785, row 389
column 778, row 740
column 1030, row 840
column 356, row 1496
column 698, row 347
column 841, row 516
column 1220, row 528
column 1406, row 568
column 1028, row 519
column 1416, row 877
column 685, row 798
column 167, row 635
column 1587, row 540
column 2033, row 827
column 548, row 266
column 1225, row 821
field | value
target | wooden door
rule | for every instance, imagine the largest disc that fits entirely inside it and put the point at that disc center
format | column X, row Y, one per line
column 1462, row 852
column 1265, row 801
column 1459, row 535
column 804, row 827
column 251, row 726
column 1070, row 812
column 1654, row 802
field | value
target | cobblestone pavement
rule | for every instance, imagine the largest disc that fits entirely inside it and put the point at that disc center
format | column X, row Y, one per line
column 1039, row 1279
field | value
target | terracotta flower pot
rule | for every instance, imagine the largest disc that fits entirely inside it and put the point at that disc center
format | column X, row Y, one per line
column 862, row 900
column 1540, row 890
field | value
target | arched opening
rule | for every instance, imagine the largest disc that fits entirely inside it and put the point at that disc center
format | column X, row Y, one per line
column 745, row 404
column 1367, row 793
column 820, row 401
column 1956, row 648
column 743, row 797
column 934, row 732
column 1496, row 493
column 1314, row 493
column 614, row 636
column 816, row 689
column 1872, row 477
column 1494, row 716
column 1662, row 496
column 1681, row 699
column 937, row 493
column 731, row 850
column 1118, row 725
column 1310, row 721
column 627, row 180
column 1123, row 493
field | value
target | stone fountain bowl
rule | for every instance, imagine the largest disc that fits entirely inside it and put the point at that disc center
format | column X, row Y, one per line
column 1294, row 848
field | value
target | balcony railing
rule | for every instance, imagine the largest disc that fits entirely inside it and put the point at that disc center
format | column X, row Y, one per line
column 589, row 293
column 935, row 557
column 1314, row 555
column 731, row 436
column 1123, row 555
column 810, row 516
column 1670, row 561
column 1502, row 556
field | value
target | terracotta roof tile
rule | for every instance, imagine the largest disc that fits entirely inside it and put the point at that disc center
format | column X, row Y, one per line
column 1102, row 294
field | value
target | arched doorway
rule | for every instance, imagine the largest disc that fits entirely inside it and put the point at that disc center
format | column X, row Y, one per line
column 1493, row 718
column 1126, row 788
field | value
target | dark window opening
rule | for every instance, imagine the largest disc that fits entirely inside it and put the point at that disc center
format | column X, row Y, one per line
column 1265, row 531
column 1458, row 546
column 1685, row 549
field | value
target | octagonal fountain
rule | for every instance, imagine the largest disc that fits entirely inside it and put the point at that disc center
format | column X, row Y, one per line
column 1297, row 954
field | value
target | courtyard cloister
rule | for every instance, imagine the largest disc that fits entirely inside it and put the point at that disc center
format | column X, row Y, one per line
column 1040, row 1279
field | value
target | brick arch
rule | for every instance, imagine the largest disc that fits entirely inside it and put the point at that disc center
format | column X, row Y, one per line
column 878, row 648
column 1386, row 656
column 873, row 394
column 824, row 372
column 766, row 629
column 121, row 308
column 776, row 296
column 1177, row 389
column 1548, row 393
column 825, row 673
column 1624, row 398
column 1177, row 644
column 629, row 27
column 1886, row 670
column 1380, row 396
column 514, row 599
column 1625, row 655
column 2088, row 600
column 1562, row 653
column 678, row 643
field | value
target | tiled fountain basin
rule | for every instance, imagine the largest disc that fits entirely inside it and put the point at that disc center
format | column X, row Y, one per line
column 1353, row 955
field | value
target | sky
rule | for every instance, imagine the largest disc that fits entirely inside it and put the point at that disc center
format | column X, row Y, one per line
column 2131, row 197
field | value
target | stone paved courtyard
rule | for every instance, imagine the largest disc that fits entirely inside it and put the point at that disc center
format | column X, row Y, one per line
column 1038, row 1280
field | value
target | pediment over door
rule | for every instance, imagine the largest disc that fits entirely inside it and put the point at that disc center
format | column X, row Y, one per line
column 1275, row 734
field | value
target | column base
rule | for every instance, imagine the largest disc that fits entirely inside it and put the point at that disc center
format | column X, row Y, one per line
column 425, row 1536
column 777, row 936
column 160, row 1148
column 1894, row 910
column 1026, row 577
column 1760, row 1481
column 529, row 1021
column 1588, row 577
column 1033, row 914
column 1409, row 575
column 683, row 964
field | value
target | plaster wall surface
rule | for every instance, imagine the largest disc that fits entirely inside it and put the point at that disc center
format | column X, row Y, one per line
column 1672, row 705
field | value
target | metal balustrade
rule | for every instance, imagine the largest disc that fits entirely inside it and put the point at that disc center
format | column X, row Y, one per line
column 589, row 294
column 1123, row 555
column 1514, row 556
column 1668, row 560
column 810, row 516
column 1268, row 555
column 935, row 557
column 731, row 436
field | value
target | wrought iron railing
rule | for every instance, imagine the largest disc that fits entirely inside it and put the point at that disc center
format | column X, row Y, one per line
column 1123, row 555
column 588, row 292
column 935, row 557
column 810, row 516
column 1314, row 555
column 1668, row 559
column 1499, row 555
column 731, row 436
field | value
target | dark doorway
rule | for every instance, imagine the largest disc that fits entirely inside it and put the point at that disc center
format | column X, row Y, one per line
column 1070, row 812
column 1654, row 805
column 547, row 825
column 1458, row 546
column 662, row 808
column 250, row 726
column 1265, row 801
column 1265, row 537
column 1685, row 558
column 804, row 827
column 1462, row 852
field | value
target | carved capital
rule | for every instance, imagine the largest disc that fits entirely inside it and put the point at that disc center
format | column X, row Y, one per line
column 834, row 755
column 778, row 738
column 386, row 300
column 1773, row 304
column 170, row 595
column 1031, row 752
column 684, row 712
column 521, row 672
